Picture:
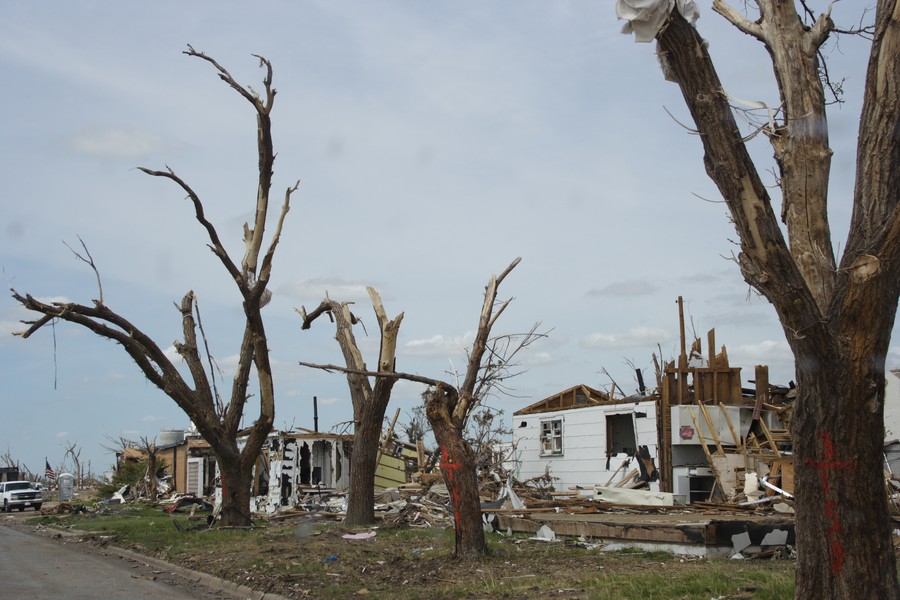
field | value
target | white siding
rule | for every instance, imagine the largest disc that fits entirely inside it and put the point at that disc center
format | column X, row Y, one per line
column 583, row 461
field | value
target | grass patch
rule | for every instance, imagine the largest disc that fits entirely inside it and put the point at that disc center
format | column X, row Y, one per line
column 307, row 557
column 147, row 529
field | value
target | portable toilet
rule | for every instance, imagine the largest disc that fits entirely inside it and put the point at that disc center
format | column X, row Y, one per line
column 66, row 486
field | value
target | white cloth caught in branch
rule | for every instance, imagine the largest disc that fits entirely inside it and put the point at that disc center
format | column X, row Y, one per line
column 646, row 17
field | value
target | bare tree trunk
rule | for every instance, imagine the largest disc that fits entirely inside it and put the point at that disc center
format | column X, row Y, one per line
column 369, row 401
column 366, row 436
column 459, row 471
column 235, row 482
column 843, row 529
column 837, row 321
column 75, row 452
column 152, row 466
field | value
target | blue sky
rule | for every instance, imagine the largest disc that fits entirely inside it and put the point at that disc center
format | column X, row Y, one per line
column 435, row 142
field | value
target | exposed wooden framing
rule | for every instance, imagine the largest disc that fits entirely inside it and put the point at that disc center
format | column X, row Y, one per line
column 579, row 396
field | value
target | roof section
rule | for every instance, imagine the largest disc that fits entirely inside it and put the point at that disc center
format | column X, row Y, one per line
column 580, row 396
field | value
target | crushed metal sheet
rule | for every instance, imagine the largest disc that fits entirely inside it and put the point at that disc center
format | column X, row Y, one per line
column 741, row 541
column 776, row 537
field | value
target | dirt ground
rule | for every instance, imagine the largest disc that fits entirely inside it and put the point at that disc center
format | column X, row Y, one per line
column 302, row 558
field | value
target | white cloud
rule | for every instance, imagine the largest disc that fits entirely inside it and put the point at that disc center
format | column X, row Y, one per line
column 438, row 345
column 13, row 317
column 331, row 401
column 763, row 352
column 539, row 358
column 152, row 419
column 635, row 338
column 337, row 289
column 49, row 300
column 776, row 354
column 625, row 289
column 117, row 142
column 229, row 363
column 62, row 434
column 7, row 328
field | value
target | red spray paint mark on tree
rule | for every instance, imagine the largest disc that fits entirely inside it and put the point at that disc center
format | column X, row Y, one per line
column 825, row 467
column 450, row 469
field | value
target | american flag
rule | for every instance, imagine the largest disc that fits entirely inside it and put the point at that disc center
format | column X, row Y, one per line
column 49, row 473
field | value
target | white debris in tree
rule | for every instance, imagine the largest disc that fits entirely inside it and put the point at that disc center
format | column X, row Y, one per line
column 755, row 105
column 646, row 17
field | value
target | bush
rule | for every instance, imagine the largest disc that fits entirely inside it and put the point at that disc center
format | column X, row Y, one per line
column 130, row 472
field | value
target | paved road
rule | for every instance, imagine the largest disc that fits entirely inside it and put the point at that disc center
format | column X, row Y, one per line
column 33, row 567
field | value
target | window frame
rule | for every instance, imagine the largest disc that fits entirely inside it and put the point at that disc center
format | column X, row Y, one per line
column 551, row 434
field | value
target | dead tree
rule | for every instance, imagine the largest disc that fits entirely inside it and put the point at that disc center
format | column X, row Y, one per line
column 149, row 448
column 217, row 421
column 448, row 408
column 369, row 400
column 837, row 317
column 74, row 451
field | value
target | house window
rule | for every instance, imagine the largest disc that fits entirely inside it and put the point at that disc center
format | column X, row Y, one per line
column 551, row 437
column 620, row 436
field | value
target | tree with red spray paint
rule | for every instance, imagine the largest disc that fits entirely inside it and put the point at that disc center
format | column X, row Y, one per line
column 448, row 407
column 825, row 467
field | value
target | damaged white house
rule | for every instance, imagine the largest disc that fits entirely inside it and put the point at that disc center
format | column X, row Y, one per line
column 583, row 439
column 696, row 438
column 293, row 464
column 308, row 466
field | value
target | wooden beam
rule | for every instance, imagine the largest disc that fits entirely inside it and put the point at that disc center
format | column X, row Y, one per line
column 586, row 525
column 682, row 358
column 762, row 389
column 664, row 436
column 734, row 435
column 711, row 346
column 712, row 427
column 420, row 454
column 768, row 434
column 700, row 435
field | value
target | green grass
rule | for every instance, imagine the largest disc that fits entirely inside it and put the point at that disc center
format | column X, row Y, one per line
column 149, row 528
